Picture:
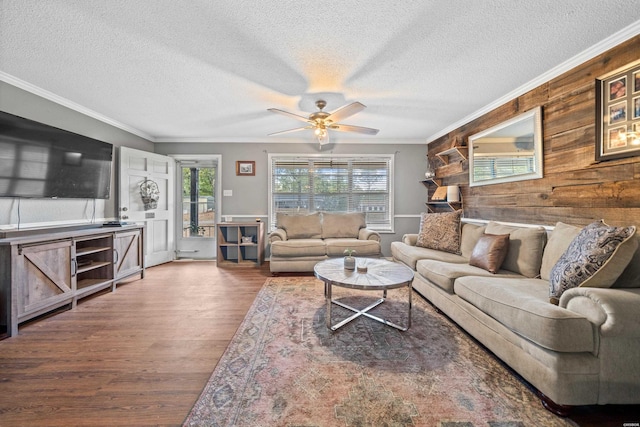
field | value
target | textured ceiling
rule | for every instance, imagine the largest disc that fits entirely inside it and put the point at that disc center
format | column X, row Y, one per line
column 204, row 70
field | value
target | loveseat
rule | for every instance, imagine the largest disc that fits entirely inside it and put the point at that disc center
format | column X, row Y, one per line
column 301, row 241
column 583, row 351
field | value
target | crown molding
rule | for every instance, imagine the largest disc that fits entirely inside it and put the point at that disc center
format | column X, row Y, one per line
column 26, row 86
column 309, row 140
column 595, row 50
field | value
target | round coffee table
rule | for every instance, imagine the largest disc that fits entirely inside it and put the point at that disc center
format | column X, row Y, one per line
column 381, row 275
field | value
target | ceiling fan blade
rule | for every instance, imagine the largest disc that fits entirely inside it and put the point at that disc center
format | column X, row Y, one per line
column 290, row 130
column 351, row 128
column 288, row 114
column 346, row 111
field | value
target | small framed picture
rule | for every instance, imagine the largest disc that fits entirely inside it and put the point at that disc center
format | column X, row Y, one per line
column 617, row 137
column 618, row 113
column 618, row 88
column 245, row 168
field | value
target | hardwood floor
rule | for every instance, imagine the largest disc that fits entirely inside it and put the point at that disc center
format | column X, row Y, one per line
column 138, row 356
column 141, row 356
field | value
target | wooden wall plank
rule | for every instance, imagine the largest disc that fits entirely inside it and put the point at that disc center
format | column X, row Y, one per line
column 575, row 188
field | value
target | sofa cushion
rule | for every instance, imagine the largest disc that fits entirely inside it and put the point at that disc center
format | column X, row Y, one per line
column 298, row 248
column 522, row 306
column 440, row 231
column 560, row 239
column 595, row 258
column 342, row 224
column 469, row 237
column 526, row 246
column 300, row 226
column 490, row 251
column 444, row 274
column 409, row 255
column 362, row 248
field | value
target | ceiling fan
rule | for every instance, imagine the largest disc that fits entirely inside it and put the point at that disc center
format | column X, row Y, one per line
column 321, row 121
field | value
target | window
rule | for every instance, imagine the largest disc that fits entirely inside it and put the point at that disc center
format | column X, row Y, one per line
column 303, row 184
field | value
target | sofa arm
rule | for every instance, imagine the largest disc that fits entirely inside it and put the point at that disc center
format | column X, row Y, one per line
column 410, row 239
column 277, row 234
column 613, row 311
column 366, row 234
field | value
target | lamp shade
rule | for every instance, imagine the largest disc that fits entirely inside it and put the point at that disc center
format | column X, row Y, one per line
column 453, row 193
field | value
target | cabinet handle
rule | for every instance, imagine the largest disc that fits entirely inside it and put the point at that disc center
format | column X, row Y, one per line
column 116, row 256
column 74, row 267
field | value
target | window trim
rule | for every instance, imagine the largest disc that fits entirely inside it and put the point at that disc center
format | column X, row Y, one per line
column 297, row 156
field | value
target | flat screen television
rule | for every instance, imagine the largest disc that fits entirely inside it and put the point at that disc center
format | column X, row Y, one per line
column 41, row 161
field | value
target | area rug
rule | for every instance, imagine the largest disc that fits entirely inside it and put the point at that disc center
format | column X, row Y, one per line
column 284, row 367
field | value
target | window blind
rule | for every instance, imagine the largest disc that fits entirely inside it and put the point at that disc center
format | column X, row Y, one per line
column 337, row 184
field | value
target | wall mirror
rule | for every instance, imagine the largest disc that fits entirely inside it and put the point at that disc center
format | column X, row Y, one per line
column 509, row 151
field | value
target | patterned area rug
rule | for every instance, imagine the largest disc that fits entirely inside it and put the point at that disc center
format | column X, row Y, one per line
column 285, row 368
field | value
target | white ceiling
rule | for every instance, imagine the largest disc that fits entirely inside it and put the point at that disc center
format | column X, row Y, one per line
column 207, row 70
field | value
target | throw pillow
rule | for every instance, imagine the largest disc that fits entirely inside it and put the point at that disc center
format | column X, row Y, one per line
column 300, row 226
column 595, row 258
column 440, row 231
column 526, row 246
column 559, row 240
column 490, row 252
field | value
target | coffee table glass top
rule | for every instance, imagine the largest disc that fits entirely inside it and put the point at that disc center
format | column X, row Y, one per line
column 381, row 274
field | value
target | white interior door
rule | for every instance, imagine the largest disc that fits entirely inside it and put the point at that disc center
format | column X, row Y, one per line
column 147, row 195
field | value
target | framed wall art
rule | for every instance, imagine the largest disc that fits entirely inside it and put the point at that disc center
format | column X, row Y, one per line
column 245, row 168
column 618, row 114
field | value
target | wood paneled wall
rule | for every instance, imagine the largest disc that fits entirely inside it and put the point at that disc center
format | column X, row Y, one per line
column 575, row 189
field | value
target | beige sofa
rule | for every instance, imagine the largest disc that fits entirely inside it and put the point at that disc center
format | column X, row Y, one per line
column 584, row 351
column 301, row 241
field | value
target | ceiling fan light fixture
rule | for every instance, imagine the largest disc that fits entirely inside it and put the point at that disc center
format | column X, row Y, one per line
column 322, row 135
column 320, row 121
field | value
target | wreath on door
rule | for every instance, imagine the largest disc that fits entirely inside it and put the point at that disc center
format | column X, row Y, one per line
column 150, row 194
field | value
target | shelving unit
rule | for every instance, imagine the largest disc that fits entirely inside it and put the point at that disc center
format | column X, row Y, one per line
column 456, row 150
column 233, row 251
column 49, row 268
column 459, row 151
column 438, row 205
column 93, row 262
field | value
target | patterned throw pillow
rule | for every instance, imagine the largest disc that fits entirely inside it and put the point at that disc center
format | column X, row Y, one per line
column 440, row 231
column 595, row 258
column 490, row 252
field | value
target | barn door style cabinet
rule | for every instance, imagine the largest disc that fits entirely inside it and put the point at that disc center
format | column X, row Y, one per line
column 43, row 270
column 128, row 253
